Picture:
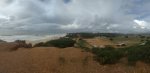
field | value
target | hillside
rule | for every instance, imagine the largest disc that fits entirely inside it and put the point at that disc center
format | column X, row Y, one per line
column 55, row 60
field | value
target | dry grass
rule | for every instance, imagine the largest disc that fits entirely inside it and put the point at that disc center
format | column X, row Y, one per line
column 54, row 60
column 99, row 41
column 8, row 46
column 105, row 41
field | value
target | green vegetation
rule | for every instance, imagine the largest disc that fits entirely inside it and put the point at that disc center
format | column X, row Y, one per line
column 139, row 53
column 92, row 35
column 111, row 39
column 61, row 43
column 107, row 55
column 83, row 45
column 39, row 44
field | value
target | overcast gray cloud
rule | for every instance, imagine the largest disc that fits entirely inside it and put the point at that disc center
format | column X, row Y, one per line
column 59, row 16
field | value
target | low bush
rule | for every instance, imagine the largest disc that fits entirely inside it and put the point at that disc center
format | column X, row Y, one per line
column 133, row 54
column 107, row 55
column 139, row 53
column 39, row 44
column 92, row 35
column 61, row 43
column 83, row 45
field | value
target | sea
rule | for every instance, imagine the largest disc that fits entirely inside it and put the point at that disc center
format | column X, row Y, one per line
column 31, row 38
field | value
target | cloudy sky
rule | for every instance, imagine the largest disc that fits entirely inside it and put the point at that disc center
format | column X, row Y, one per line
column 61, row 16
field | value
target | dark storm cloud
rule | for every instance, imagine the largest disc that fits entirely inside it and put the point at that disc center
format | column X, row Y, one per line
column 54, row 16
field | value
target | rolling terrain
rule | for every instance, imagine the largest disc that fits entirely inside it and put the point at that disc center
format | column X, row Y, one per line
column 15, row 59
column 55, row 60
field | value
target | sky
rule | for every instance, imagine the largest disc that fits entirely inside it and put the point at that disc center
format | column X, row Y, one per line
column 37, row 17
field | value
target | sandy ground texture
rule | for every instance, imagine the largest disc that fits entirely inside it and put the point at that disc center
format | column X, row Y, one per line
column 55, row 60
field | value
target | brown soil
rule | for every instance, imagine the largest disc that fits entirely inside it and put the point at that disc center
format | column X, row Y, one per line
column 54, row 60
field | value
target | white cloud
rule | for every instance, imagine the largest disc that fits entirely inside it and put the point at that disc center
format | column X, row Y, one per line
column 48, row 16
column 70, row 26
column 75, row 25
column 141, row 24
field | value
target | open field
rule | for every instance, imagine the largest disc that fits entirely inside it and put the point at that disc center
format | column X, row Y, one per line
column 99, row 41
column 55, row 60
column 102, row 41
column 131, row 40
column 53, row 57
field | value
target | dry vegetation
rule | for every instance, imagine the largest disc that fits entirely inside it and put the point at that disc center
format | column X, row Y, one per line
column 55, row 60
column 99, row 41
column 71, row 60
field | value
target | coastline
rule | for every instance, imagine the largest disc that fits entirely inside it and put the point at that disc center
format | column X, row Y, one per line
column 31, row 38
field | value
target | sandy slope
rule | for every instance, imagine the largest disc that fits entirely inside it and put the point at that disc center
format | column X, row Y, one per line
column 54, row 60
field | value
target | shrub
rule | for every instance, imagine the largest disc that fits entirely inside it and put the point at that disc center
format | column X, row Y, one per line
column 141, row 36
column 83, row 45
column 139, row 53
column 61, row 43
column 83, row 35
column 134, row 53
column 147, row 43
column 106, row 55
column 126, row 36
column 92, row 35
column 39, row 44
column 111, row 39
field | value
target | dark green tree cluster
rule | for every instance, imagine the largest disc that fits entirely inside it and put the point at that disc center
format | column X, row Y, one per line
column 92, row 35
column 61, row 43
